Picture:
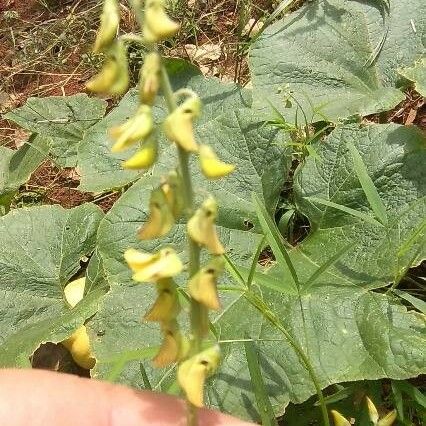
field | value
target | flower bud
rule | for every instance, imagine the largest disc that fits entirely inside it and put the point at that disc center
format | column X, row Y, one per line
column 203, row 285
column 78, row 343
column 113, row 79
column 149, row 267
column 178, row 126
column 144, row 158
column 158, row 26
column 201, row 227
column 339, row 420
column 135, row 129
column 166, row 307
column 161, row 218
column 171, row 347
column 372, row 411
column 149, row 83
column 211, row 166
column 110, row 19
column 193, row 373
column 172, row 190
column 388, row 420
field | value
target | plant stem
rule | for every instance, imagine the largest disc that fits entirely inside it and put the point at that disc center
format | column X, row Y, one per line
column 198, row 313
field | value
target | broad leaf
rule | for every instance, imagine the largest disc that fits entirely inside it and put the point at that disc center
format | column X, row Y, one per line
column 394, row 157
column 64, row 119
column 40, row 252
column 101, row 170
column 16, row 166
column 336, row 58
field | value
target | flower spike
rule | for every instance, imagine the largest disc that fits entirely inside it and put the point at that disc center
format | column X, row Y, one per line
column 178, row 126
column 211, row 166
column 113, row 78
column 150, row 78
column 110, row 20
column 135, row 129
column 166, row 307
column 202, row 286
column 149, row 267
column 201, row 227
column 144, row 158
column 158, row 26
column 193, row 373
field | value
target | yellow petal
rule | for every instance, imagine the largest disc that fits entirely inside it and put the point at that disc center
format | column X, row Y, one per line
column 137, row 128
column 158, row 26
column 203, row 286
column 169, row 350
column 150, row 78
column 201, row 227
column 144, row 158
column 372, row 410
column 193, row 372
column 339, row 420
column 388, row 420
column 74, row 291
column 79, row 346
column 113, row 78
column 160, row 220
column 166, row 307
column 211, row 166
column 178, row 126
column 110, row 20
column 152, row 267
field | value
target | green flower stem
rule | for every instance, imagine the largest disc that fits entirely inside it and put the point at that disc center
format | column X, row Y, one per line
column 197, row 313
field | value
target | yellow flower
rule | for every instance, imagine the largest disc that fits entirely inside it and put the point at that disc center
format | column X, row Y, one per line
column 372, row 411
column 78, row 343
column 166, row 307
column 144, row 158
column 173, row 347
column 150, row 78
column 158, row 26
column 339, row 420
column 178, row 126
column 172, row 190
column 136, row 128
column 160, row 220
column 387, row 420
column 110, row 19
column 202, row 229
column 203, row 286
column 149, row 267
column 113, row 78
column 193, row 373
column 211, row 166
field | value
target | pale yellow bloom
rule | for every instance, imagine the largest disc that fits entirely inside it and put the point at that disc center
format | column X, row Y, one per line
column 144, row 158
column 211, row 166
column 178, row 126
column 150, row 78
column 339, row 420
column 203, row 285
column 149, row 267
column 372, row 411
column 158, row 26
column 201, row 227
column 110, row 20
column 193, row 373
column 161, row 219
column 135, row 129
column 166, row 307
column 388, row 420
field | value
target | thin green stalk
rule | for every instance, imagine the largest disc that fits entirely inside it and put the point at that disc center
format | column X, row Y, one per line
column 198, row 313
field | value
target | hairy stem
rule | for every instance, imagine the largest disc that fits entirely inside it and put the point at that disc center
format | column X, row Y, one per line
column 197, row 313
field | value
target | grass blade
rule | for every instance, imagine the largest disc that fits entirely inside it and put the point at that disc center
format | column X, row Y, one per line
column 419, row 304
column 275, row 240
column 254, row 262
column 323, row 268
column 363, row 216
column 264, row 406
column 145, row 379
column 367, row 184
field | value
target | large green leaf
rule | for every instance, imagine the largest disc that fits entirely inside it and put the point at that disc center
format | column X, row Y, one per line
column 16, row 166
column 337, row 58
column 64, row 119
column 40, row 252
column 394, row 157
column 101, row 170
